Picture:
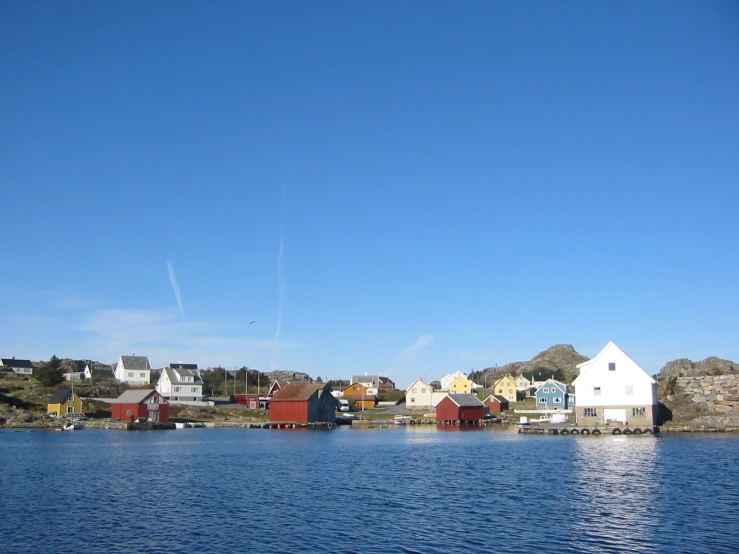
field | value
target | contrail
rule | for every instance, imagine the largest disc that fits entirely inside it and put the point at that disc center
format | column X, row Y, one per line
column 281, row 285
column 176, row 288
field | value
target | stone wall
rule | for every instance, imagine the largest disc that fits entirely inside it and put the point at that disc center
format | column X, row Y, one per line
column 716, row 393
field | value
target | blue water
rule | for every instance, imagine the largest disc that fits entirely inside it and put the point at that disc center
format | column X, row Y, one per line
column 413, row 489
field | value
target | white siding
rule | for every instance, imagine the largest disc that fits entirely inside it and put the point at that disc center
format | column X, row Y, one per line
column 627, row 385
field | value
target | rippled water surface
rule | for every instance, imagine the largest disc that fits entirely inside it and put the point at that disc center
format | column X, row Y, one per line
column 413, row 489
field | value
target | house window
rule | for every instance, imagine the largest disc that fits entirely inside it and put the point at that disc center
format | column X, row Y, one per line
column 193, row 389
column 545, row 389
column 142, row 374
column 557, row 400
column 413, row 400
column 130, row 373
column 423, row 390
column 70, row 409
column 596, row 391
column 638, row 412
column 629, row 390
column 129, row 412
column 611, row 366
column 542, row 401
column 413, row 390
column 177, row 389
column 589, row 412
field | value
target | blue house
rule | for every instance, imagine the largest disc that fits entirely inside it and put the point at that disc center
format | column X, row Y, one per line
column 552, row 395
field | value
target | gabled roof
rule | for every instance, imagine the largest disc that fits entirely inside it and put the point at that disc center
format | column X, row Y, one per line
column 174, row 376
column 498, row 398
column 554, row 382
column 465, row 400
column 107, row 373
column 135, row 362
column 369, row 380
column 12, row 362
column 386, row 380
column 419, row 380
column 134, row 396
column 588, row 365
column 62, row 395
column 299, row 391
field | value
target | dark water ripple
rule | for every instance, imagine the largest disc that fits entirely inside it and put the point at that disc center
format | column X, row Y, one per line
column 412, row 490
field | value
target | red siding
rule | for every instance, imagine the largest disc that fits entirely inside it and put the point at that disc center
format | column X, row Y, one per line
column 447, row 410
column 289, row 410
column 120, row 412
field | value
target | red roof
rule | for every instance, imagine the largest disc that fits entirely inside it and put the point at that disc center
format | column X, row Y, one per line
column 298, row 391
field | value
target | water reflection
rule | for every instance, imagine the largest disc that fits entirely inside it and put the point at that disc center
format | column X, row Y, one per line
column 615, row 493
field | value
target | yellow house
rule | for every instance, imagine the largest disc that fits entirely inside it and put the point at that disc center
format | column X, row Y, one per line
column 64, row 402
column 506, row 387
column 460, row 385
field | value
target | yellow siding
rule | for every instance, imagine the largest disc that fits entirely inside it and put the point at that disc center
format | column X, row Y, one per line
column 61, row 408
column 460, row 385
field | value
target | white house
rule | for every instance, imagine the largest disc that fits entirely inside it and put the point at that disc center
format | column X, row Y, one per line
column 613, row 388
column 372, row 382
column 447, row 380
column 101, row 371
column 21, row 367
column 134, row 370
column 419, row 395
column 180, row 382
column 523, row 383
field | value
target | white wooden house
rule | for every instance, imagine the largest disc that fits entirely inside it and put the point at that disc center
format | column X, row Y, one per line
column 21, row 367
column 134, row 370
column 372, row 382
column 180, row 382
column 612, row 388
column 419, row 395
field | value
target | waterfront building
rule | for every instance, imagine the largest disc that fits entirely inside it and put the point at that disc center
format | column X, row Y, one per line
column 496, row 404
column 419, row 395
column 613, row 388
column 552, row 395
column 303, row 403
column 141, row 404
column 460, row 407
column 64, row 402
column 134, row 370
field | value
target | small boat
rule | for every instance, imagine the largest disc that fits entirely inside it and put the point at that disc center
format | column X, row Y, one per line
column 401, row 419
column 182, row 425
column 72, row 427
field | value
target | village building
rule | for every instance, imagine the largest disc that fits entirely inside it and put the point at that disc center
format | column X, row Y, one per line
column 386, row 384
column 496, row 404
column 303, row 403
column 64, row 402
column 145, row 404
column 458, row 382
column 613, row 388
column 462, row 408
column 359, row 393
column 553, row 395
column 134, row 370
column 181, row 382
column 506, row 387
column 419, row 395
column 371, row 382
column 98, row 371
column 21, row 367
column 523, row 383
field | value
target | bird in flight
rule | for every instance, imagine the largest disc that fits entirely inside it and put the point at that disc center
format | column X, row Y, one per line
column 251, row 323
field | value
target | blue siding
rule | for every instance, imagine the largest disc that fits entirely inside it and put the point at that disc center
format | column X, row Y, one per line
column 552, row 394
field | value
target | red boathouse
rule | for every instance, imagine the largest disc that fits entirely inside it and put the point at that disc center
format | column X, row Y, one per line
column 463, row 408
column 141, row 403
column 303, row 403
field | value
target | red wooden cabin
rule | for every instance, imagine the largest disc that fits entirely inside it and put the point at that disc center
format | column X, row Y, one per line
column 461, row 408
column 141, row 403
column 303, row 403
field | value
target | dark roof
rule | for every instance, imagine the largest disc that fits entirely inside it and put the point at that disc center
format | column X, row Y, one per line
column 12, row 362
column 184, row 366
column 299, row 391
column 465, row 400
column 135, row 362
column 62, row 395
column 174, row 375
column 104, row 373
column 499, row 398
column 369, row 380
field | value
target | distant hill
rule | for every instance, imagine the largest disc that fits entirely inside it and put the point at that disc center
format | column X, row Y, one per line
column 292, row 376
column 560, row 360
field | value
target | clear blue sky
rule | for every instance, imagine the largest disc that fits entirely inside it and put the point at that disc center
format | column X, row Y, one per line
column 398, row 188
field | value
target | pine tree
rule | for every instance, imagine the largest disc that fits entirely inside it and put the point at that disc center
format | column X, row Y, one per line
column 50, row 373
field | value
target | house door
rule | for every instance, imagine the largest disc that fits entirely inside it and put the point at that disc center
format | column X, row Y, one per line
column 70, row 409
column 154, row 413
column 614, row 414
